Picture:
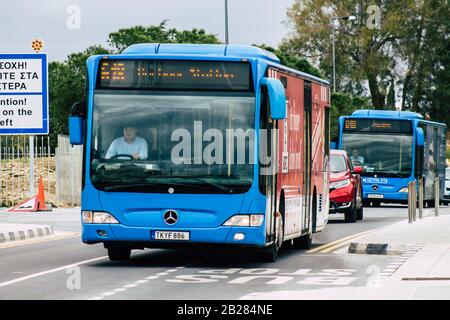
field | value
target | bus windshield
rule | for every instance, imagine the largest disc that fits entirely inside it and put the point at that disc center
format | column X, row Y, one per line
column 384, row 155
column 159, row 142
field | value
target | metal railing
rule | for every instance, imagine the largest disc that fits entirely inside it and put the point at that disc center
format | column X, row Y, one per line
column 15, row 159
column 416, row 188
column 60, row 169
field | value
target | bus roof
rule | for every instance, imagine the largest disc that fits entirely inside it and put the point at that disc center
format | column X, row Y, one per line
column 387, row 114
column 218, row 50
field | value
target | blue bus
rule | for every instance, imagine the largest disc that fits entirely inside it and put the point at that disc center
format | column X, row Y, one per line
column 199, row 145
column 394, row 147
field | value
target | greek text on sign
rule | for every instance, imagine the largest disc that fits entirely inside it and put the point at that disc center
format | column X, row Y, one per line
column 23, row 94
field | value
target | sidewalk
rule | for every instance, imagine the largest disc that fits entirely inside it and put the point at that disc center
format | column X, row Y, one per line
column 420, row 266
column 15, row 232
column 426, row 243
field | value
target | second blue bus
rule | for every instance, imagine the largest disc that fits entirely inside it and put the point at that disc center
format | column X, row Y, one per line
column 394, row 147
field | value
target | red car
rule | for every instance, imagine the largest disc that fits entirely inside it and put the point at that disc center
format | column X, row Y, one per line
column 345, row 187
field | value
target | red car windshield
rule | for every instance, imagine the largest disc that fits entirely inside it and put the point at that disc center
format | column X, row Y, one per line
column 337, row 163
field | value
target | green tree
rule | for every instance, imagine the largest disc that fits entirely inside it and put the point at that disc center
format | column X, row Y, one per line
column 67, row 79
column 123, row 38
column 67, row 82
column 372, row 56
column 344, row 104
column 293, row 61
column 422, row 46
column 440, row 92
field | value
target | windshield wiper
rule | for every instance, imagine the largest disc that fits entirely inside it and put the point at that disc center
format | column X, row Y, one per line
column 127, row 186
column 391, row 173
column 174, row 184
column 201, row 179
column 147, row 184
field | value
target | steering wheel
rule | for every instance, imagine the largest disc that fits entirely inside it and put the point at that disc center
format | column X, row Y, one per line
column 122, row 155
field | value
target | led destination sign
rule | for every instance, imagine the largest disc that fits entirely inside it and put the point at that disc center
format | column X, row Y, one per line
column 173, row 74
column 377, row 125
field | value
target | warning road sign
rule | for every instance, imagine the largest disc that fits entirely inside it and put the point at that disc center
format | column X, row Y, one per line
column 23, row 94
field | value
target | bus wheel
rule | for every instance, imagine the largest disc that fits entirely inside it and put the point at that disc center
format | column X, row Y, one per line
column 270, row 254
column 119, row 254
column 303, row 242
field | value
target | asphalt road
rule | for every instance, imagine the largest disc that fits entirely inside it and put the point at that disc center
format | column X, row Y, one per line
column 64, row 268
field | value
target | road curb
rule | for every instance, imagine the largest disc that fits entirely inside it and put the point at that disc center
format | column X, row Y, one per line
column 26, row 232
column 377, row 248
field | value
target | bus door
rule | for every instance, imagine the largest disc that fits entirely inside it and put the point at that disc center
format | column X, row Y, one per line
column 307, row 101
column 268, row 169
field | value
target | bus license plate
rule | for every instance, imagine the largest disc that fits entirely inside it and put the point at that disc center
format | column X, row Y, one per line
column 375, row 196
column 171, row 235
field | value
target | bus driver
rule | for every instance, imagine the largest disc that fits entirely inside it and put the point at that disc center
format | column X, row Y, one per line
column 128, row 144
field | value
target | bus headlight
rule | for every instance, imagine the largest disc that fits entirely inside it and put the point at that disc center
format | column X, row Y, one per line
column 98, row 217
column 245, row 220
column 403, row 190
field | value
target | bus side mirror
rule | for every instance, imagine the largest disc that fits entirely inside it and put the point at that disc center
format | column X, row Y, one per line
column 420, row 137
column 420, row 142
column 77, row 123
column 277, row 98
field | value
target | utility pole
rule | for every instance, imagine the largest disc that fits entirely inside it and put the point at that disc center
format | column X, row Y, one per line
column 333, row 19
column 226, row 21
column 334, row 59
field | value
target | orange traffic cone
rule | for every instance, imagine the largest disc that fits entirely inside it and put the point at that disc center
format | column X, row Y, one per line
column 36, row 203
column 41, row 197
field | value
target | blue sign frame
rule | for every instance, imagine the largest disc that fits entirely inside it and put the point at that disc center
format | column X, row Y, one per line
column 44, row 129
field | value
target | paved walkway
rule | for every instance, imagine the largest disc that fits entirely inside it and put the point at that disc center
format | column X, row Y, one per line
column 421, row 272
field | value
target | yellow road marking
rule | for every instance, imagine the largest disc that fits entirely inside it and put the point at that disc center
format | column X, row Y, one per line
column 328, row 247
column 26, row 242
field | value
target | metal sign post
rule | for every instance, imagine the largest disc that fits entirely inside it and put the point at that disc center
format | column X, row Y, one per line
column 410, row 216
column 31, row 142
column 436, row 196
column 421, row 198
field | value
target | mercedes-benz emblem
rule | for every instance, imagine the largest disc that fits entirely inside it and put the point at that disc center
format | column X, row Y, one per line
column 170, row 217
column 375, row 187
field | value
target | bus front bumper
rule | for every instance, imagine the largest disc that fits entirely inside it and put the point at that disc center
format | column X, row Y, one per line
column 107, row 233
column 387, row 197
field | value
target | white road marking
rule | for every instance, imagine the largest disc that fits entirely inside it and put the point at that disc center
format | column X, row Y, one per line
column 133, row 285
column 141, row 281
column 43, row 273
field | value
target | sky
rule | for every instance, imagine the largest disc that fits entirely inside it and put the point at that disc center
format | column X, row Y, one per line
column 68, row 26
